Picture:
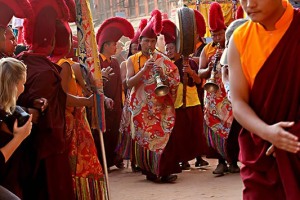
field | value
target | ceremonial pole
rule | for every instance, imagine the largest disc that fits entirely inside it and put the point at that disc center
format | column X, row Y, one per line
column 198, row 4
column 90, row 66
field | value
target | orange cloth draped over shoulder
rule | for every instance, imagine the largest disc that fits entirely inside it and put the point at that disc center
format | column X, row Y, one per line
column 259, row 38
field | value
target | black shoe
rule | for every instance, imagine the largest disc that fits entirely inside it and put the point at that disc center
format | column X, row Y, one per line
column 185, row 166
column 221, row 169
column 135, row 168
column 234, row 168
column 168, row 179
column 201, row 163
column 152, row 177
column 120, row 165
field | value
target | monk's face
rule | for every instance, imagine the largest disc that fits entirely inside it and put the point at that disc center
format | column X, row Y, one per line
column 147, row 43
column 263, row 11
column 218, row 37
column 110, row 48
column 134, row 48
column 170, row 50
column 10, row 42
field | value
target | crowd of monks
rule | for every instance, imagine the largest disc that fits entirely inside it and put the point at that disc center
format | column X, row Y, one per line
column 163, row 108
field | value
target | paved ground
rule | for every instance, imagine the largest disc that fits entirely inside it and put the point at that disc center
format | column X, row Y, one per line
column 196, row 184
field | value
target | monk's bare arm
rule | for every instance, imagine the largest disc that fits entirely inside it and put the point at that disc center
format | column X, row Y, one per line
column 204, row 69
column 131, row 78
column 72, row 100
column 123, row 71
column 244, row 114
column 78, row 75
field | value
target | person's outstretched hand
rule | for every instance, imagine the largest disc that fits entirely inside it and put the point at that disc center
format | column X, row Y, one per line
column 282, row 139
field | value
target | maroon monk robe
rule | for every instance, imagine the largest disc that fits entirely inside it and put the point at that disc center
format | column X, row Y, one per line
column 189, row 123
column 113, row 90
column 187, row 140
column 275, row 97
column 47, row 156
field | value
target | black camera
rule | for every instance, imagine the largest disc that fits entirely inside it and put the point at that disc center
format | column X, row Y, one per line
column 20, row 115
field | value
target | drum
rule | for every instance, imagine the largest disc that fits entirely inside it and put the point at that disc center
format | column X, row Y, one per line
column 185, row 40
column 186, row 31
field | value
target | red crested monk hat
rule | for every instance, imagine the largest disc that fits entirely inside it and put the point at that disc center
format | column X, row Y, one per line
column 17, row 8
column 215, row 17
column 200, row 23
column 39, row 31
column 63, row 34
column 137, row 34
column 169, row 31
column 154, row 25
column 239, row 13
column 112, row 29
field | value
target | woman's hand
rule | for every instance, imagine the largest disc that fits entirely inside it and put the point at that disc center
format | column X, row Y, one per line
column 35, row 115
column 24, row 131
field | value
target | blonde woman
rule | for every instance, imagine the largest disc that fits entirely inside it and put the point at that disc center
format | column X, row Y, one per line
column 12, row 80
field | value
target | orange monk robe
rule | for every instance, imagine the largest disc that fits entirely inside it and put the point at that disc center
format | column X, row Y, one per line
column 259, row 41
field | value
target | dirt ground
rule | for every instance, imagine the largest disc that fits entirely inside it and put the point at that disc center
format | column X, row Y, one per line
column 195, row 184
